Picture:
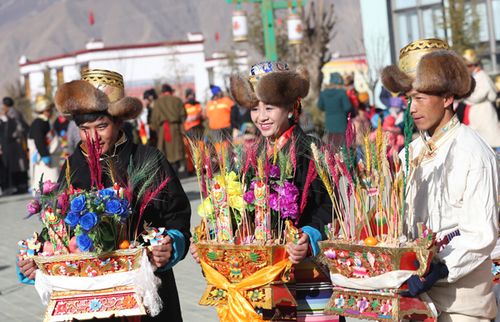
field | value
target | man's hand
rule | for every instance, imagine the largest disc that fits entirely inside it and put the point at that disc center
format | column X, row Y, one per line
column 27, row 266
column 297, row 252
column 194, row 251
column 160, row 254
column 418, row 285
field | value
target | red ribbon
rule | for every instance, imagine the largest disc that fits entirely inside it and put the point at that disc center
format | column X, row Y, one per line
column 166, row 132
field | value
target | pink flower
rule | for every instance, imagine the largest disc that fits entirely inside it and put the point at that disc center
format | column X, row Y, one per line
column 273, row 201
column 274, row 171
column 49, row 186
column 249, row 197
column 33, row 207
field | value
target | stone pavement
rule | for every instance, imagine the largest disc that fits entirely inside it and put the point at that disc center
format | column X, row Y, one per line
column 19, row 302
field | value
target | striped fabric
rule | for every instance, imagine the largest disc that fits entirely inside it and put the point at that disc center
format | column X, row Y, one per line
column 313, row 290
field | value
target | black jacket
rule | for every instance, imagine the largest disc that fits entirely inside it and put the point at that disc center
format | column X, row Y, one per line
column 171, row 209
column 318, row 210
column 38, row 132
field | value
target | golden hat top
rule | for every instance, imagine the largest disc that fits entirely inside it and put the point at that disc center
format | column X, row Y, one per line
column 410, row 55
column 111, row 83
column 470, row 56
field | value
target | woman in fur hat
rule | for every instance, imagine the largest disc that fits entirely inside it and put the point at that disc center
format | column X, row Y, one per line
column 273, row 93
column 43, row 144
column 452, row 182
column 98, row 107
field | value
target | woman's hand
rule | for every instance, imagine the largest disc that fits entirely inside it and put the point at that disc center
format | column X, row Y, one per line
column 160, row 254
column 194, row 251
column 297, row 252
column 27, row 266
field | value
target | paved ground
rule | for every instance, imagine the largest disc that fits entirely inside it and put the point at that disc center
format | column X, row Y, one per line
column 21, row 302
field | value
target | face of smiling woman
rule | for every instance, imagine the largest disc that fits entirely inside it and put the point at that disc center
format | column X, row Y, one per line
column 271, row 120
column 107, row 132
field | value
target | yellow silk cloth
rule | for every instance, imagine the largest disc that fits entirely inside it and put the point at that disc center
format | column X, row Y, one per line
column 238, row 308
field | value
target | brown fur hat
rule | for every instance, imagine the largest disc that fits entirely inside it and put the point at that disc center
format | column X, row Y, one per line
column 273, row 83
column 83, row 97
column 437, row 72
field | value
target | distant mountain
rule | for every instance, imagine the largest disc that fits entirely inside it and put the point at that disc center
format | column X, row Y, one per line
column 41, row 28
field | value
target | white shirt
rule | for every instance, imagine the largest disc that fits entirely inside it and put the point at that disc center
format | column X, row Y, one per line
column 456, row 188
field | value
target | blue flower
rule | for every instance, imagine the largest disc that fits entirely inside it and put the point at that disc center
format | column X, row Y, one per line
column 109, row 192
column 95, row 305
column 113, row 206
column 88, row 221
column 78, row 203
column 72, row 219
column 84, row 242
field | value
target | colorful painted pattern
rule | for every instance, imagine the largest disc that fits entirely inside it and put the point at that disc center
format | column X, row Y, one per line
column 120, row 301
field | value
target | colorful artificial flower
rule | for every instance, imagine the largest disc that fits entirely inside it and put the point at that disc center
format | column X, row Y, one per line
column 84, row 242
column 88, row 221
column 78, row 203
column 34, row 207
column 206, row 209
column 72, row 219
column 274, row 171
column 113, row 206
column 49, row 187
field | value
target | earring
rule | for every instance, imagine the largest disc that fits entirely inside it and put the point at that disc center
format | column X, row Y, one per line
column 290, row 115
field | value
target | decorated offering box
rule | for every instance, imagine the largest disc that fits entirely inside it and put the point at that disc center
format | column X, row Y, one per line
column 373, row 244
column 92, row 261
column 362, row 261
column 81, row 305
column 379, row 305
column 237, row 262
column 249, row 205
column 90, row 264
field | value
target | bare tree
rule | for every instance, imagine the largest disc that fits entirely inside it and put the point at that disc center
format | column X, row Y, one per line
column 318, row 21
column 463, row 21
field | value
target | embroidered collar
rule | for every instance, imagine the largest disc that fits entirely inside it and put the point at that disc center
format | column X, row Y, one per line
column 433, row 143
column 272, row 149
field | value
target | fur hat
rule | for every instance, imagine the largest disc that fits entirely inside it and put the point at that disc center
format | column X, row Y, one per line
column 270, row 82
column 428, row 66
column 98, row 91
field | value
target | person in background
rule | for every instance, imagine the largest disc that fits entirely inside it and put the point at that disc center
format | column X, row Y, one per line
column 192, row 125
column 239, row 116
column 43, row 144
column 337, row 107
column 482, row 115
column 168, row 121
column 61, row 128
column 14, row 158
column 218, row 113
column 150, row 97
column 351, row 93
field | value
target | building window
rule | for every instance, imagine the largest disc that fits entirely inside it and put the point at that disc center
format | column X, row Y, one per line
column 403, row 4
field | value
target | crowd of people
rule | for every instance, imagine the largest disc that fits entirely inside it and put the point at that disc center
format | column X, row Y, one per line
column 453, row 178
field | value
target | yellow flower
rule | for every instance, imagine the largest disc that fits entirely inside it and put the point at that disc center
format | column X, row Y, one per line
column 205, row 208
column 237, row 202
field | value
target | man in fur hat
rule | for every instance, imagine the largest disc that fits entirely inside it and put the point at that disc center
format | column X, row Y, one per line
column 453, row 182
column 98, row 107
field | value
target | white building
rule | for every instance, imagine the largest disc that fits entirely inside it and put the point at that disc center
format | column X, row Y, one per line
column 182, row 64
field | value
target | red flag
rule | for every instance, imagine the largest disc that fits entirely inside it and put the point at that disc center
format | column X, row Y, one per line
column 217, row 36
column 91, row 18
